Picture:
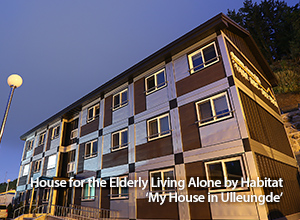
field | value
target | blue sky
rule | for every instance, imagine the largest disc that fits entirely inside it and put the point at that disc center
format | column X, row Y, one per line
column 65, row 49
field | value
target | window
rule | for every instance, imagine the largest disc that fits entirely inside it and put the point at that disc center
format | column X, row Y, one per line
column 46, row 194
column 42, row 138
column 230, row 168
column 55, row 132
column 51, row 161
column 161, row 175
column 118, row 192
column 158, row 127
column 37, row 166
column 29, row 145
column 203, row 57
column 91, row 149
column 213, row 109
column 93, row 112
column 155, row 81
column 119, row 139
column 71, row 161
column 25, row 169
column 88, row 192
column 120, row 99
column 74, row 134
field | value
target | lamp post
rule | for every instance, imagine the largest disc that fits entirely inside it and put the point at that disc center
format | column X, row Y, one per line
column 14, row 81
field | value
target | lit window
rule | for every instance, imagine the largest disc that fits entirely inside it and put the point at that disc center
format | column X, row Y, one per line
column 37, row 166
column 203, row 57
column 118, row 192
column 91, row 149
column 213, row 109
column 29, row 144
column 231, row 169
column 88, row 192
column 51, row 161
column 161, row 175
column 25, row 169
column 42, row 138
column 73, row 126
column 155, row 81
column 55, row 132
column 93, row 112
column 158, row 127
column 119, row 139
column 74, row 134
column 120, row 99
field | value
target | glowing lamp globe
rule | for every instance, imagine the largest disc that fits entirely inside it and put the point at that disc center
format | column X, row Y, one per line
column 14, row 80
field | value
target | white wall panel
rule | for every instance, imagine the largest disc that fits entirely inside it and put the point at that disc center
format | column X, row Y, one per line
column 181, row 68
column 156, row 98
column 121, row 114
column 114, row 171
column 106, row 144
column 88, row 137
column 91, row 164
column 176, row 132
column 171, row 81
column 131, row 150
column 219, row 132
column 140, row 133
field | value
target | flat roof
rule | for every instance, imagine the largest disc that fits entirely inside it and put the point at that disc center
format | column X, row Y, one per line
column 213, row 25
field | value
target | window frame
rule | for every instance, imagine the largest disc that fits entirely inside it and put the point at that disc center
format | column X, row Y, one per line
column 120, row 146
column 71, row 161
column 89, row 197
column 37, row 168
column 155, row 81
column 91, row 149
column 27, row 170
column 72, row 132
column 55, row 134
column 119, row 195
column 29, row 144
column 161, row 171
column 214, row 117
column 94, row 107
column 121, row 103
column 43, row 139
column 223, row 161
column 158, row 126
column 54, row 163
column 47, row 190
column 200, row 50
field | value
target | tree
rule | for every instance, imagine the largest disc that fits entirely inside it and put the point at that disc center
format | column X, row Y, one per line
column 275, row 27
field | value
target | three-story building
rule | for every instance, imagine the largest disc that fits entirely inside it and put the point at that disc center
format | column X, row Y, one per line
column 200, row 107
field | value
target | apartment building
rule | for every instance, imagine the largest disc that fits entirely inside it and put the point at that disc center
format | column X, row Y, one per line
column 202, row 106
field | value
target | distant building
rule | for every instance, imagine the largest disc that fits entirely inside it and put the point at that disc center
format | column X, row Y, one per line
column 202, row 106
column 7, row 197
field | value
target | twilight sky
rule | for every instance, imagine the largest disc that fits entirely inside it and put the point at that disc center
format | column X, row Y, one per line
column 65, row 49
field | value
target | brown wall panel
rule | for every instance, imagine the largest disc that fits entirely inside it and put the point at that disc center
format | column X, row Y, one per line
column 89, row 127
column 108, row 111
column 201, row 78
column 290, row 200
column 153, row 210
column 38, row 150
column 139, row 96
column 197, row 210
column 105, row 199
column 81, row 158
column 156, row 148
column 115, row 158
column 189, row 129
column 49, row 139
column 263, row 127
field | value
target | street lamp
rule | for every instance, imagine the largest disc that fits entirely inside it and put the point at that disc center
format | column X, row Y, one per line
column 14, row 81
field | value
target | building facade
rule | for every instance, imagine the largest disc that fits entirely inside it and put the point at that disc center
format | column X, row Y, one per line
column 202, row 106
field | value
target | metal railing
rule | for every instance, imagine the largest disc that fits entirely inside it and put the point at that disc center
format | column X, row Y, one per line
column 76, row 212
column 21, row 210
